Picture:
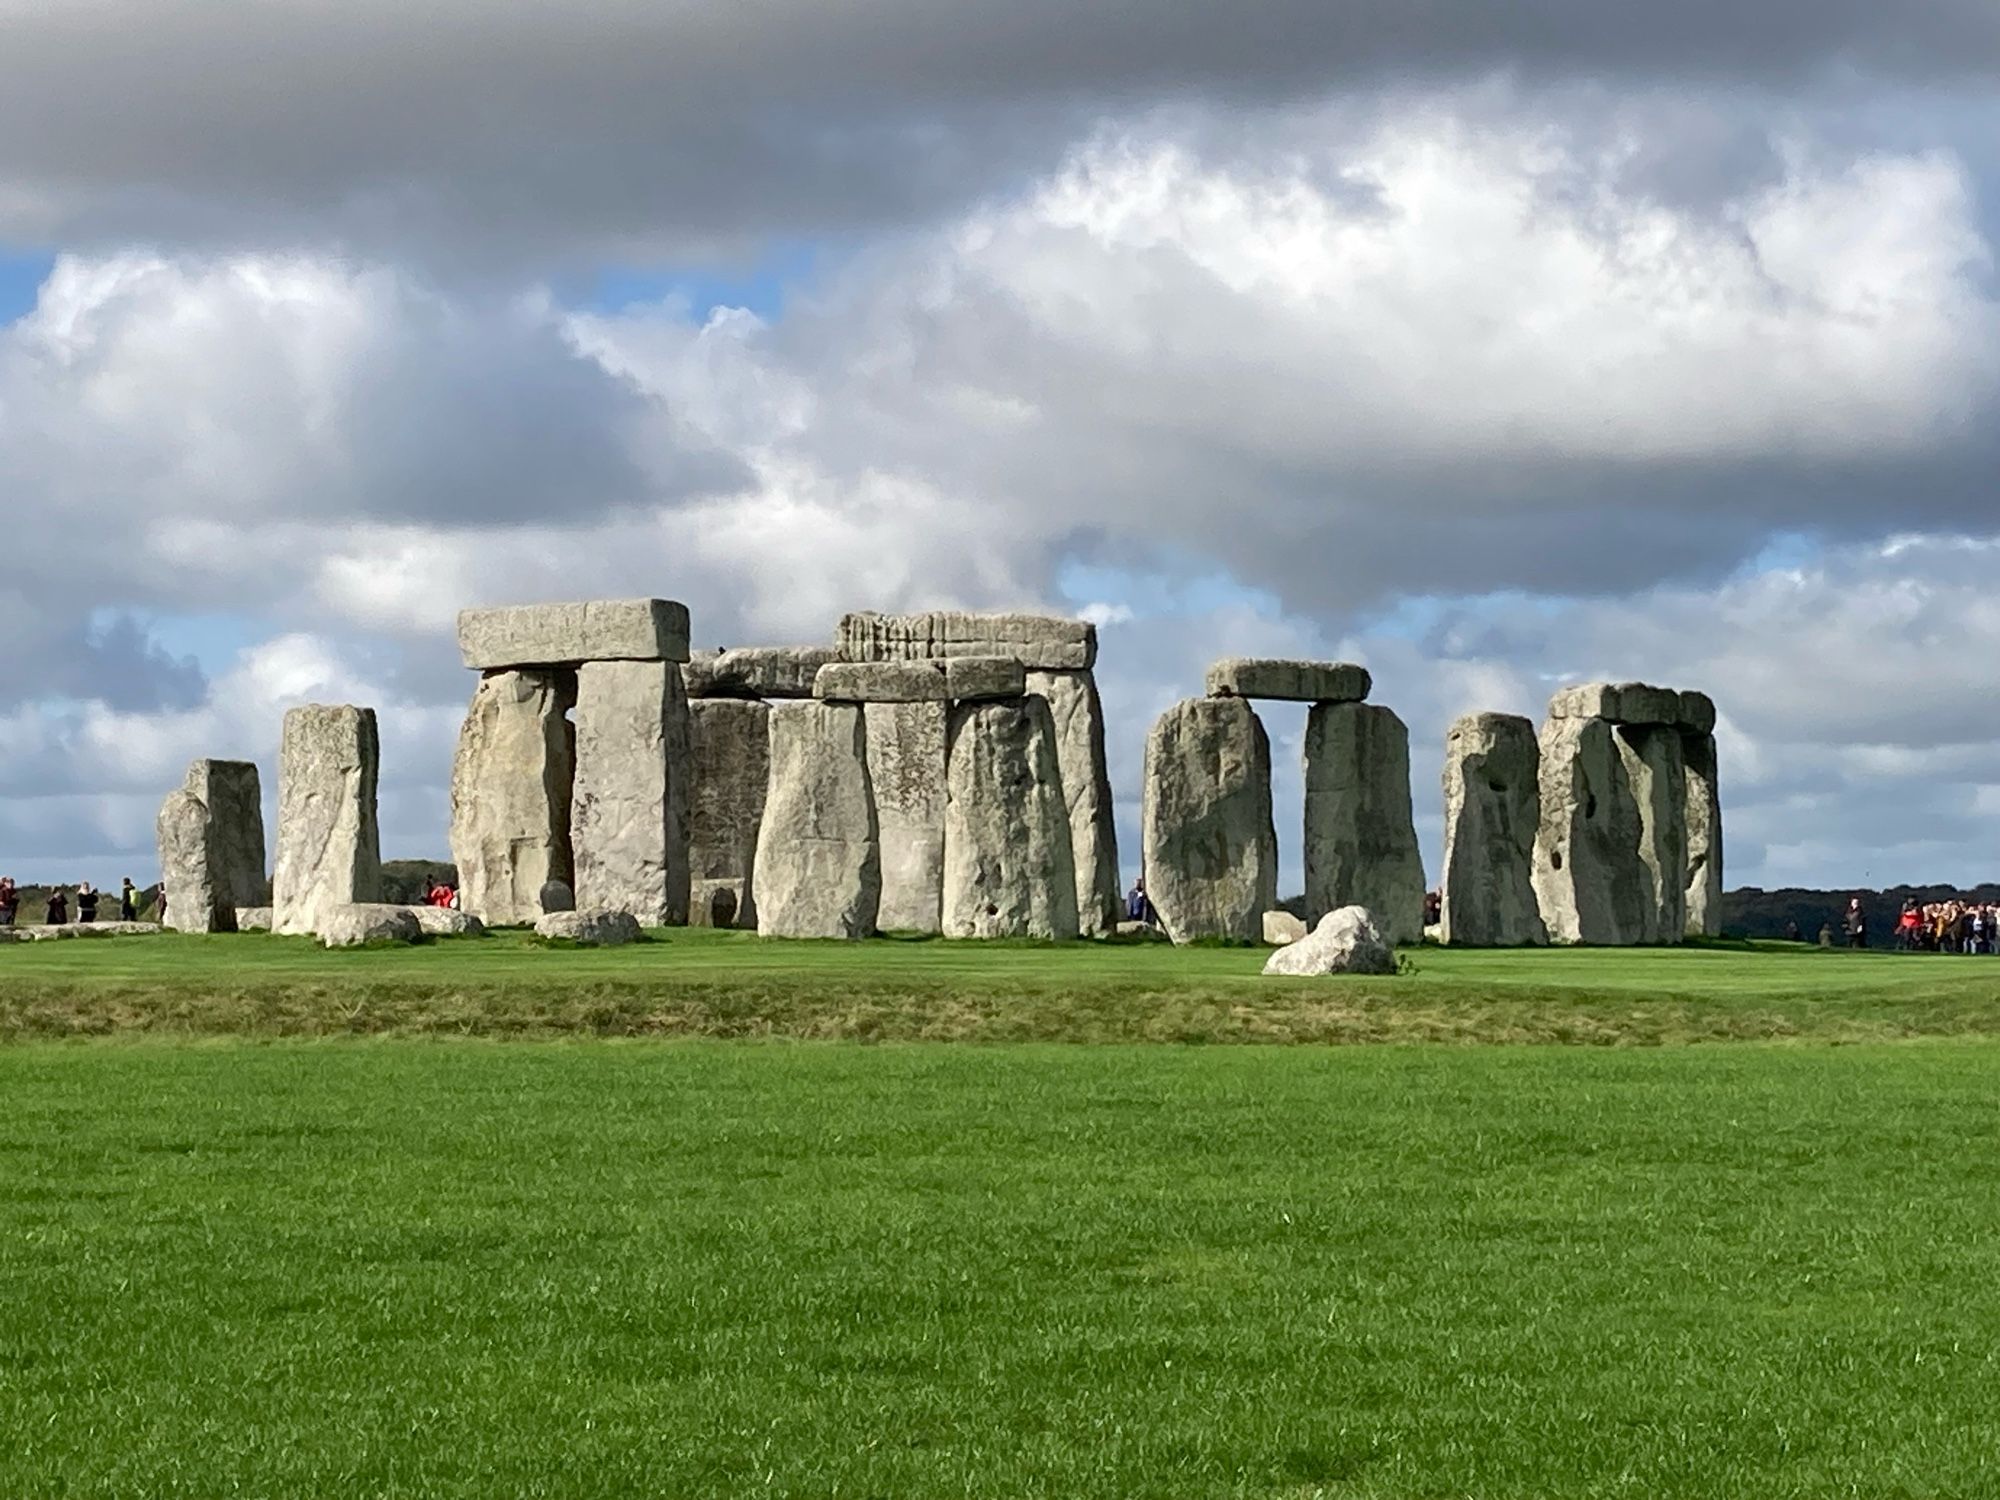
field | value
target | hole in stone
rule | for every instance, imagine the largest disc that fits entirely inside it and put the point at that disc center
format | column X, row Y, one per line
column 1590, row 807
column 1555, row 858
column 992, row 910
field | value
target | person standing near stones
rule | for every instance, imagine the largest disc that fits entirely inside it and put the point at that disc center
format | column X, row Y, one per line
column 58, row 913
column 128, row 901
column 10, row 900
column 1856, row 924
column 86, row 902
column 1139, row 906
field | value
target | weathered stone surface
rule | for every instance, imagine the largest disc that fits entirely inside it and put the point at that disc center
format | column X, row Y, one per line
column 444, row 921
column 348, row 924
column 882, row 682
column 1658, row 774
column 211, row 844
column 1144, row 932
column 1295, row 681
column 1589, row 880
column 51, row 932
column 510, row 793
column 1038, row 642
column 729, row 770
column 756, row 671
column 969, row 679
column 253, row 919
column 549, row 635
column 1079, row 722
column 1347, row 941
column 1281, row 927
column 1360, row 831
column 1492, row 809
column 555, row 895
column 1697, row 714
column 590, row 929
column 329, row 850
column 1618, row 702
column 906, row 769
column 1008, row 866
column 1704, row 836
column 819, row 852
column 629, row 816
column 1211, row 852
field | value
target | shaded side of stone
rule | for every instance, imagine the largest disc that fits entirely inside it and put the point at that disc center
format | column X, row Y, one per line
column 730, row 761
column 1210, row 849
column 1360, row 828
column 1658, row 775
column 1704, row 836
column 1078, row 716
column 1492, row 809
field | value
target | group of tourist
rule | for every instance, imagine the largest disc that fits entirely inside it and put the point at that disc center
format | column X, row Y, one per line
column 1930, row 927
column 87, row 900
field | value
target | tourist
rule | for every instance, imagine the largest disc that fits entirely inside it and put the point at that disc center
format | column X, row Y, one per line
column 86, row 902
column 1139, row 906
column 10, row 900
column 441, row 895
column 58, row 913
column 1908, row 926
column 1856, row 924
column 128, row 901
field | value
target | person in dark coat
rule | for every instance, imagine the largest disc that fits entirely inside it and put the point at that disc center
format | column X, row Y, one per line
column 58, row 912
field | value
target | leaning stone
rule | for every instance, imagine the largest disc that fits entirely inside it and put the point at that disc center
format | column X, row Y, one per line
column 1295, row 681
column 906, row 770
column 1704, row 836
column 1211, row 852
column 819, row 853
column 1492, row 808
column 1281, row 927
column 629, row 815
column 444, row 921
column 510, row 793
column 756, row 671
column 1347, row 941
column 1360, row 829
column 1008, row 869
column 882, row 682
column 550, row 635
column 329, row 850
column 350, row 924
column 1093, row 831
column 969, row 679
column 1589, row 881
column 253, row 919
column 1038, row 642
column 1657, row 771
column 590, row 929
column 729, row 764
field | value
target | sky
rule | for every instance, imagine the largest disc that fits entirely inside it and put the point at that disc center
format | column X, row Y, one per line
column 1492, row 346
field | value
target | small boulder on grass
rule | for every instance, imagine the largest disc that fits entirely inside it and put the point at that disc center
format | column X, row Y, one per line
column 1347, row 941
column 350, row 925
column 590, row 929
column 442, row 921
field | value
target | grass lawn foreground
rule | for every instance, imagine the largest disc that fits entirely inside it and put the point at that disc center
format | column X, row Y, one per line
column 246, row 1248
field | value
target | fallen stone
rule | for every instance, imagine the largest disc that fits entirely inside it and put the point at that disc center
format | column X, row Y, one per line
column 511, row 785
column 629, row 814
column 1211, row 852
column 1293, row 681
column 1008, row 866
column 590, row 929
column 729, row 768
column 1079, row 723
column 329, row 850
column 1281, row 927
column 1347, row 941
column 1492, row 809
column 756, row 671
column 1704, row 836
column 1657, row 771
column 211, row 845
column 444, row 921
column 551, row 635
column 1038, row 642
column 906, row 770
column 1360, row 829
column 1590, row 884
column 819, row 852
column 49, row 932
column 350, row 924
column 253, row 919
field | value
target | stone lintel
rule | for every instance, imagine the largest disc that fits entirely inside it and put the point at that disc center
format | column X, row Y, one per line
column 542, row 635
column 1292, row 681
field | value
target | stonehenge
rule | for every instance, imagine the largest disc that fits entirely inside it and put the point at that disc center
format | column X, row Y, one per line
column 1492, row 809
column 329, row 853
column 211, row 846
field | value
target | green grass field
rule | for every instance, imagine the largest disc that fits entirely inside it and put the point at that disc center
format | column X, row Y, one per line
column 276, row 1221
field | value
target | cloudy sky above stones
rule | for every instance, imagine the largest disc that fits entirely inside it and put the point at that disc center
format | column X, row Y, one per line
column 1491, row 345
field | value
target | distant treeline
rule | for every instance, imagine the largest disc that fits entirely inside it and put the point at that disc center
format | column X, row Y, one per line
column 1753, row 912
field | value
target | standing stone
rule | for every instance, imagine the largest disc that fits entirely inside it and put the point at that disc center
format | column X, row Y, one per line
column 1078, row 716
column 1008, row 869
column 190, row 888
column 629, row 814
column 1492, row 808
column 729, row 759
column 819, row 853
column 1658, row 774
column 329, row 850
column 510, row 793
column 1704, row 835
column 1211, row 851
column 211, row 839
column 906, row 769
column 1589, row 881
column 1361, row 833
